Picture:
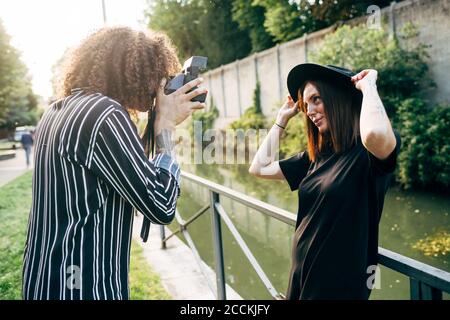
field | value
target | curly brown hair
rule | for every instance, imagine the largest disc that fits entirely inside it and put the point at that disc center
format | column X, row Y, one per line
column 121, row 63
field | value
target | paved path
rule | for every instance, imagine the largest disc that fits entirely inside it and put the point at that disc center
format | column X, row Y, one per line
column 12, row 168
column 179, row 272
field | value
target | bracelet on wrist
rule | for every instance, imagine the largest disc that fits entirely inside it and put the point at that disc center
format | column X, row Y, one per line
column 280, row 126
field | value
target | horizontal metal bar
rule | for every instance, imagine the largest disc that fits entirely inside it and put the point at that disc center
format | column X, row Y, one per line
column 420, row 271
column 268, row 209
column 260, row 272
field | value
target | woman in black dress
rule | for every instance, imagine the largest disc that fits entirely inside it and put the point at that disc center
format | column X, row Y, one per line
column 342, row 179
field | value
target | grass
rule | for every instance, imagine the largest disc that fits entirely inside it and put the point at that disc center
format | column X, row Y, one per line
column 15, row 203
column 144, row 284
column 9, row 144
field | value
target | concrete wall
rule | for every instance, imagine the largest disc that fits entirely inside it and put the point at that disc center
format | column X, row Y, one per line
column 232, row 85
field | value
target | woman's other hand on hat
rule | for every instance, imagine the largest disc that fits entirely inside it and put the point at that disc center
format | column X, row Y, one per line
column 365, row 79
column 287, row 111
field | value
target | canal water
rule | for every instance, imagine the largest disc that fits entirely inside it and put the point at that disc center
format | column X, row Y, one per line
column 414, row 224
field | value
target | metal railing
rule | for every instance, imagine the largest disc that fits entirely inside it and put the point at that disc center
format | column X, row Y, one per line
column 426, row 282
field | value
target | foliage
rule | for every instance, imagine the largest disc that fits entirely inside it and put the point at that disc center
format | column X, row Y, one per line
column 144, row 283
column 281, row 19
column 253, row 118
column 226, row 30
column 424, row 160
column 207, row 118
column 250, row 17
column 294, row 138
column 257, row 98
column 15, row 203
column 317, row 15
column 286, row 20
column 201, row 27
column 17, row 101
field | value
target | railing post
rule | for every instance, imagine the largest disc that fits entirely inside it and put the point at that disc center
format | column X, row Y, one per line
column 414, row 289
column 422, row 291
column 162, row 232
column 429, row 293
column 218, row 247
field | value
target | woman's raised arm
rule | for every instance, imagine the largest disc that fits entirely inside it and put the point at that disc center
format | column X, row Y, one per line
column 264, row 164
column 377, row 135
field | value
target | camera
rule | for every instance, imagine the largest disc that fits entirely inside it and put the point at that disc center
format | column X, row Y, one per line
column 191, row 70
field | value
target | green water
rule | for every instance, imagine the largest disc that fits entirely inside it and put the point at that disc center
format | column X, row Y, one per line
column 410, row 223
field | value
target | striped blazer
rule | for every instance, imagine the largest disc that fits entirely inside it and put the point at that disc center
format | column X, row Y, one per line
column 90, row 172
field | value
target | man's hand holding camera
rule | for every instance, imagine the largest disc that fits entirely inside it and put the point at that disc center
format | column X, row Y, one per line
column 173, row 109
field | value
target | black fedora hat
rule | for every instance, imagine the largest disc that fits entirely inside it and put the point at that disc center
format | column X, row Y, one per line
column 329, row 73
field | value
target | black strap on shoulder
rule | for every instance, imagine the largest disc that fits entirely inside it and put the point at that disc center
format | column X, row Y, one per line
column 149, row 147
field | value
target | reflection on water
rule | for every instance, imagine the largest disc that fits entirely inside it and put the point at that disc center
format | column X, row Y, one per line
column 414, row 224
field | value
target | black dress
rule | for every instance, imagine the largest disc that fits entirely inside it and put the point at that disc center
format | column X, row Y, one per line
column 335, row 246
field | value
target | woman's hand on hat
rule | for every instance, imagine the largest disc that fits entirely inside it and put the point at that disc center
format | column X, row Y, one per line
column 287, row 111
column 365, row 79
column 174, row 108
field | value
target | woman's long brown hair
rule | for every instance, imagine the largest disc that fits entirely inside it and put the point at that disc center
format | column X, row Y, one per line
column 342, row 110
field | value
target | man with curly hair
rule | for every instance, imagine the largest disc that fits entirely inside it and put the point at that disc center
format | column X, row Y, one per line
column 91, row 170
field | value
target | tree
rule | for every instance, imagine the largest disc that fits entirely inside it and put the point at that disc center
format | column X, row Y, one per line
column 180, row 21
column 57, row 72
column 316, row 15
column 327, row 12
column 289, row 19
column 250, row 17
column 17, row 101
column 282, row 20
column 201, row 27
column 222, row 38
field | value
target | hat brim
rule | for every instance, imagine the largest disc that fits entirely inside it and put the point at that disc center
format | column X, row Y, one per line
column 311, row 71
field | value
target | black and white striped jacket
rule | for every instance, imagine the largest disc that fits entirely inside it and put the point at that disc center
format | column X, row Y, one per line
column 90, row 172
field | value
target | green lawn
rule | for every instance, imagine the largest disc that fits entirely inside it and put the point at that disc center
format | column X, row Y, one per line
column 9, row 144
column 15, row 202
column 6, row 146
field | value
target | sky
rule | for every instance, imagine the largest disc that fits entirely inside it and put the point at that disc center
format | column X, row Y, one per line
column 43, row 29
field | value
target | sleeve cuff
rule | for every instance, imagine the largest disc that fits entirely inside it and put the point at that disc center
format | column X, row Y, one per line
column 166, row 162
